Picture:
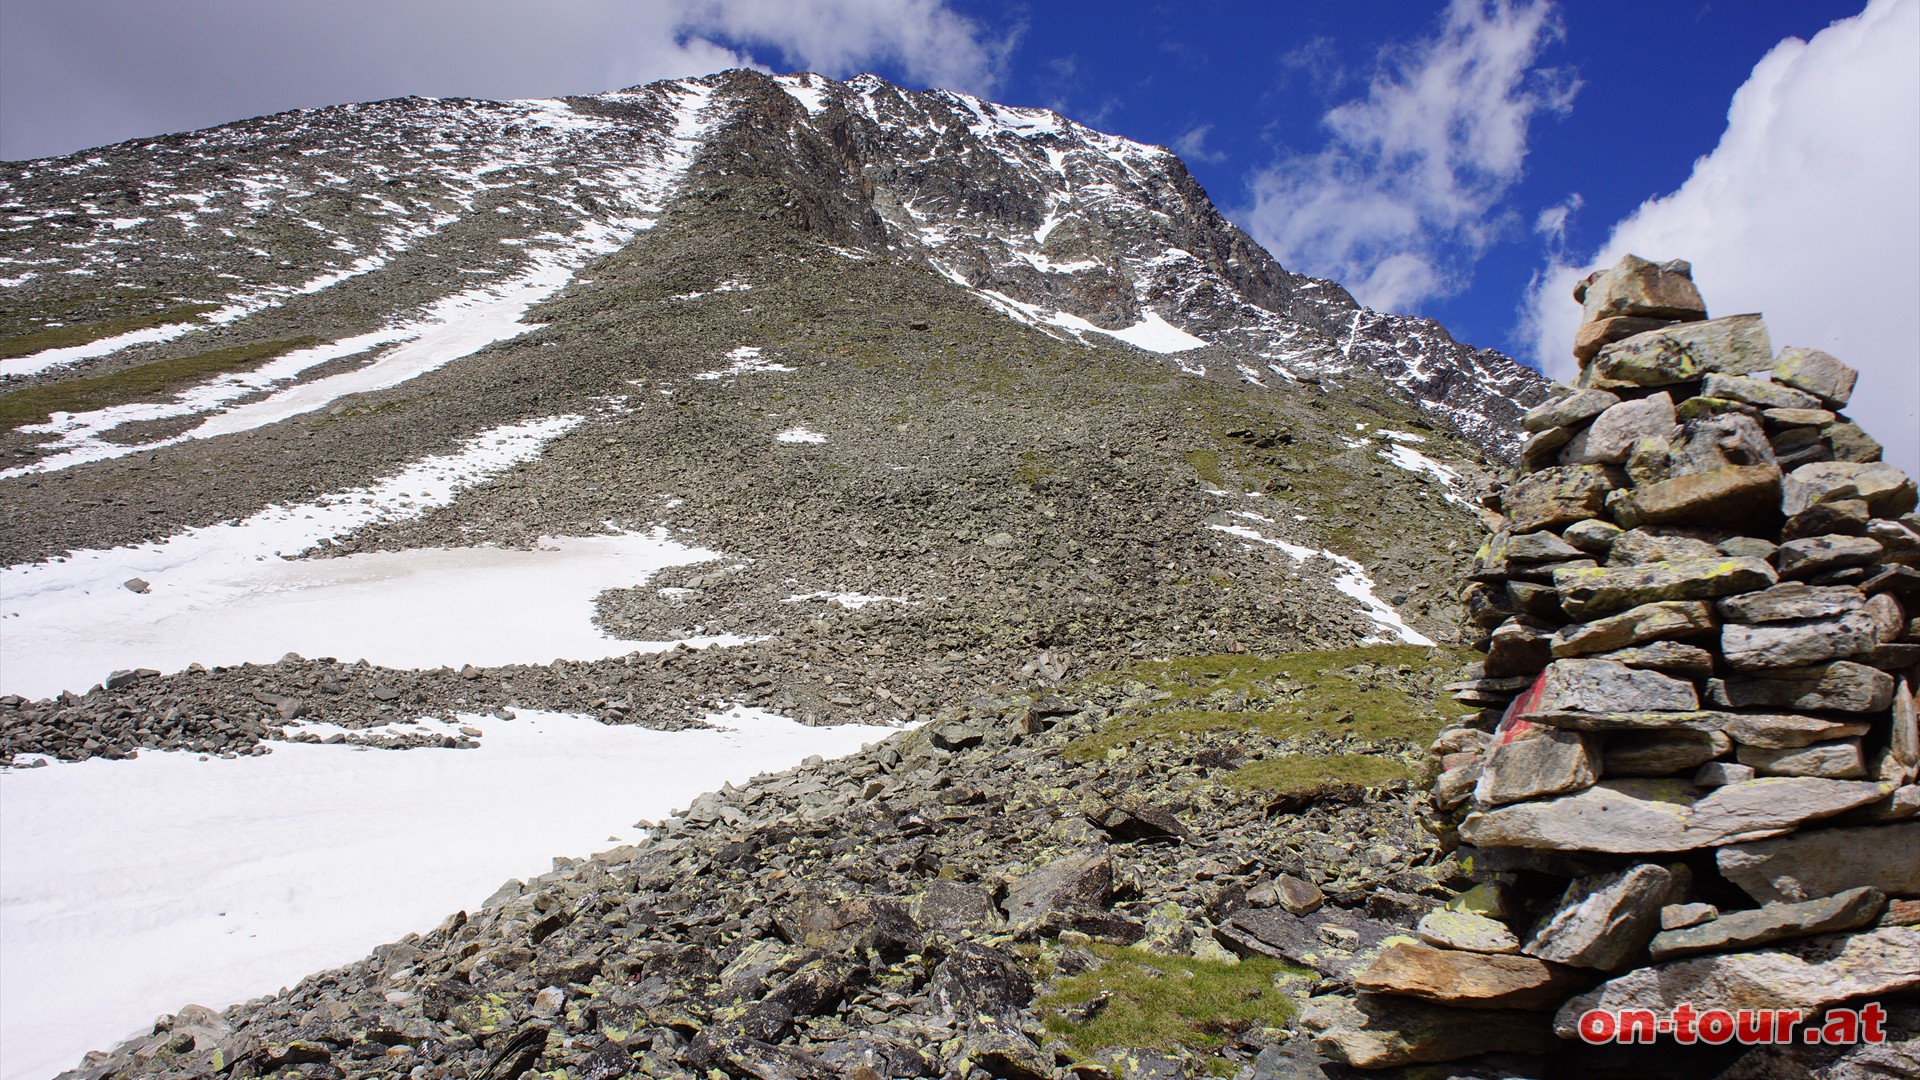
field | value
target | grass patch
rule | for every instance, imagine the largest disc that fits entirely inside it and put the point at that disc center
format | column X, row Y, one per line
column 61, row 337
column 36, row 404
column 1299, row 773
column 1166, row 1002
column 1277, row 697
column 1033, row 468
column 1207, row 464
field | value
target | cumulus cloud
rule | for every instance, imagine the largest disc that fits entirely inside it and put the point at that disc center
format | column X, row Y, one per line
column 1805, row 211
column 1406, row 194
column 85, row 72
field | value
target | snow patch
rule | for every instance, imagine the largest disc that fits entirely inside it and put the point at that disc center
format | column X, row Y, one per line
column 800, row 435
column 746, row 361
column 1352, row 580
column 134, row 887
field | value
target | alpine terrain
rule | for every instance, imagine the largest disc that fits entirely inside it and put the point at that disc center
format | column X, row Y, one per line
column 1141, row 554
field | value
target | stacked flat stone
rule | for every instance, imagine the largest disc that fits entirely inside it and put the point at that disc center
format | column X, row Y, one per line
column 1693, row 778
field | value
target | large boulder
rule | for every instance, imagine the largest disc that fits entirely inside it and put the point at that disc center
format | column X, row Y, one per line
column 1797, row 644
column 1635, row 626
column 1640, row 288
column 1612, row 434
column 1807, row 975
column 1645, row 817
column 1600, row 591
column 1559, row 496
column 1886, row 490
column 1724, row 495
column 1688, row 352
column 1604, row 686
column 1604, row 921
column 1380, row 1031
column 1468, row 979
column 1822, row 862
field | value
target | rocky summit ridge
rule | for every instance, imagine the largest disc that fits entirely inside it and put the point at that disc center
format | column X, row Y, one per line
column 994, row 427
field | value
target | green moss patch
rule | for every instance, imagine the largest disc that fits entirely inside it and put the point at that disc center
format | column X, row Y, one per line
column 36, row 404
column 1165, row 1003
column 61, row 337
column 1360, row 691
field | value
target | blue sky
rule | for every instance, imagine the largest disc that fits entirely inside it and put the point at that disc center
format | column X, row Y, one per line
column 1463, row 160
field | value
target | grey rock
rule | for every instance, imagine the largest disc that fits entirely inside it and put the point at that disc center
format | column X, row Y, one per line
column 1666, row 657
column 1543, row 761
column 1797, row 644
column 1463, row 930
column 1790, row 601
column 952, row 906
column 1592, row 594
column 1519, row 646
column 975, row 980
column 1541, row 547
column 1379, row 1031
column 1809, row 975
column 1842, row 686
column 1612, row 434
column 138, row 585
column 1661, row 753
column 1578, row 685
column 1078, row 881
column 1888, row 491
column 1903, row 736
column 1648, row 622
column 1603, row 922
column 1662, row 816
column 1297, row 895
column 1812, row 555
column 1576, row 408
column 1593, row 536
column 1847, row 910
column 1757, row 392
column 1714, row 493
column 1557, row 496
column 1681, row 916
column 1688, row 352
column 1888, row 616
column 1779, row 731
column 1721, row 773
column 1842, row 760
column 1816, row 373
column 1637, row 547
column 1815, row 863
column 1639, row 288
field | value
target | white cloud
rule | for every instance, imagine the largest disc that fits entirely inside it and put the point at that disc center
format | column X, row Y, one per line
column 1807, row 211
column 1192, row 145
column 1405, row 195
column 837, row 37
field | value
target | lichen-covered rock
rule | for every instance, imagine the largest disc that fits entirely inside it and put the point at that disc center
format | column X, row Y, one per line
column 1791, row 601
column 1558, row 496
column 1838, row 760
column 1543, row 761
column 1887, row 490
column 1634, row 626
column 1643, row 817
column 1734, row 345
column 1566, row 412
column 1797, row 644
column 1603, row 922
column 1816, row 373
column 1640, row 288
column 1604, row 686
column 1595, row 593
column 1841, row 686
column 1733, row 493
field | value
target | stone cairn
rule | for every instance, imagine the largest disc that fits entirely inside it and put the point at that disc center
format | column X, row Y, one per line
column 1693, row 778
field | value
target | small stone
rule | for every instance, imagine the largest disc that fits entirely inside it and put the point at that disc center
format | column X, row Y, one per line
column 1812, row 555
column 1591, row 594
column 1592, row 536
column 1791, row 601
column 1666, row 657
column 1903, row 739
column 138, row 585
column 1821, row 862
column 1734, row 493
column 1648, row 622
column 1576, row 408
column 1841, row 760
column 1472, row 979
column 1721, row 773
column 1734, row 345
column 1797, row 644
column 1519, row 646
column 1809, row 975
column 1850, row 442
column 1297, row 895
column 1816, row 373
column 1847, row 517
column 1472, row 933
column 1541, row 547
column 1786, row 418
column 1774, row 922
column 549, row 1001
column 1681, row 916
column 1748, row 547
column 121, row 679
column 1888, row 616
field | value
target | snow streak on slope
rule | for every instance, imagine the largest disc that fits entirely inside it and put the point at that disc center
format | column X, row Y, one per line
column 1352, row 579
column 226, row 594
column 133, row 887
